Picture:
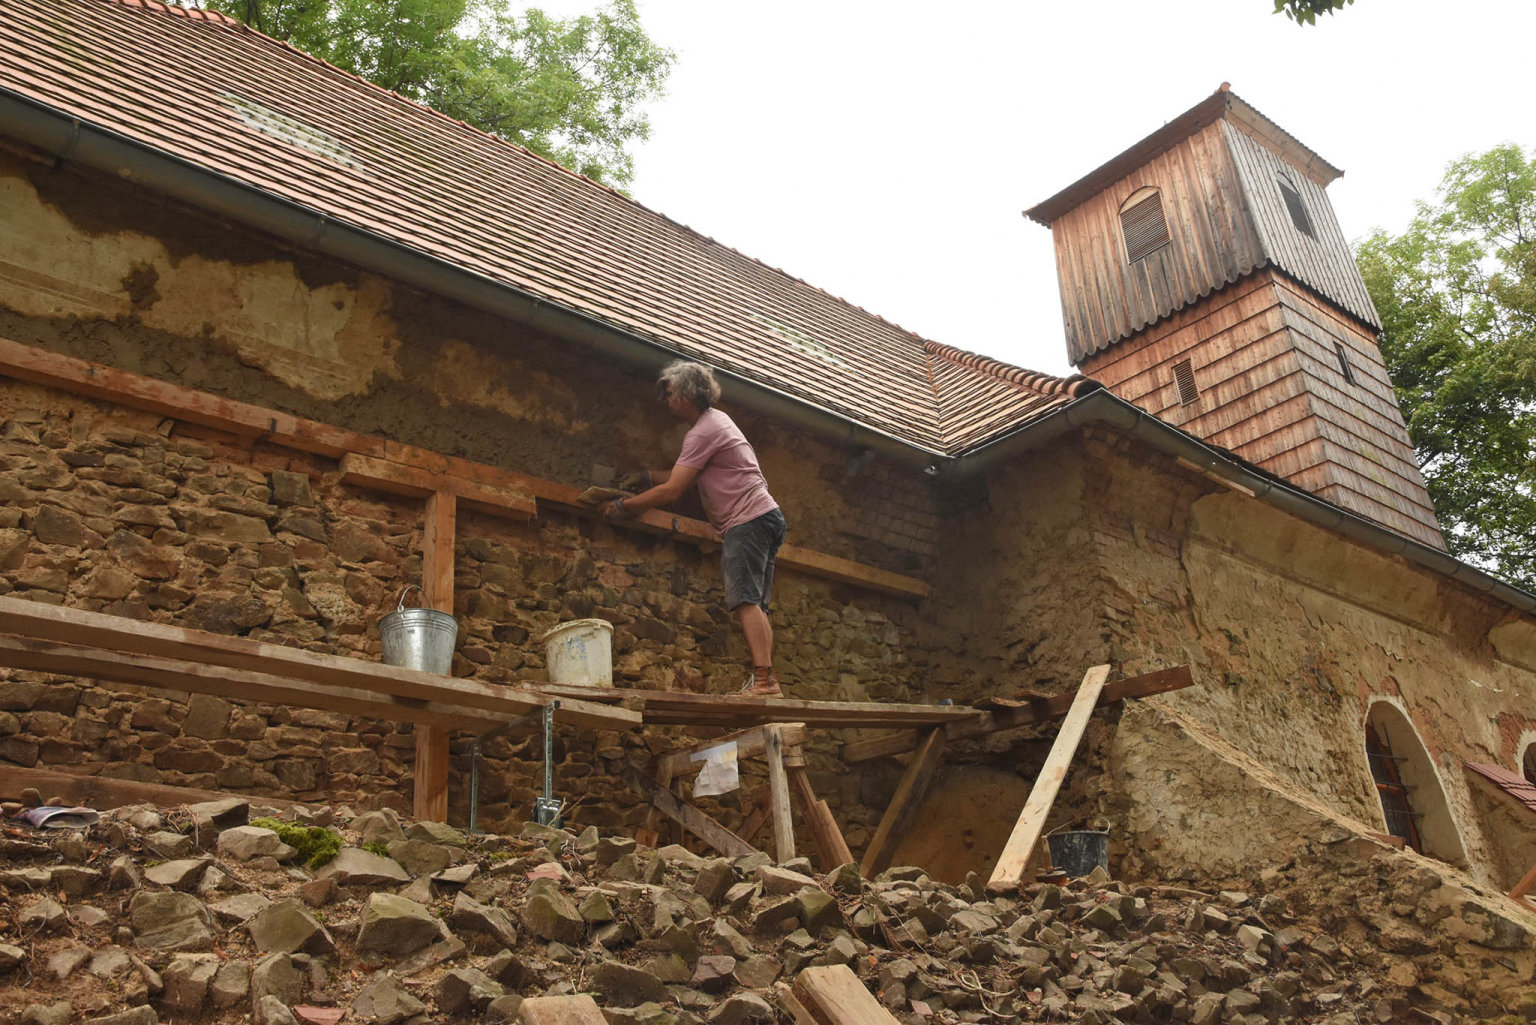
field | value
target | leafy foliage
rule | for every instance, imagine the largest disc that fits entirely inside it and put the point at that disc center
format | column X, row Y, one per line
column 573, row 90
column 1305, row 12
column 1457, row 296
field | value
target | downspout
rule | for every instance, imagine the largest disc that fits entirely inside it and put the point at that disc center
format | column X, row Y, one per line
column 68, row 137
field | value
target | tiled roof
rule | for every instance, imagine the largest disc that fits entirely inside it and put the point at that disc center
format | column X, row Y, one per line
column 1514, row 785
column 234, row 103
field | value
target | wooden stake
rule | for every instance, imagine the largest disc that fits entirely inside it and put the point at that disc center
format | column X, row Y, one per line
column 904, row 804
column 430, row 800
column 778, row 787
column 1026, row 832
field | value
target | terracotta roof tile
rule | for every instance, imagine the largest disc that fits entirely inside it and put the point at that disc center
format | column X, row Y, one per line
column 214, row 93
column 1514, row 785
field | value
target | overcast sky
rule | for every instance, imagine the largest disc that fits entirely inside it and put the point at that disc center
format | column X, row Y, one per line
column 884, row 151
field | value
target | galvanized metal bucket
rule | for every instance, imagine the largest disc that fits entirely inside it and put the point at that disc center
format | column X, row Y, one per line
column 419, row 638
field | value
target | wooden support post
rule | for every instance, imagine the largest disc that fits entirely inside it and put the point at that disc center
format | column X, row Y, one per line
column 1522, row 888
column 431, row 788
column 904, row 804
column 758, row 815
column 778, row 787
column 1026, row 832
column 818, row 816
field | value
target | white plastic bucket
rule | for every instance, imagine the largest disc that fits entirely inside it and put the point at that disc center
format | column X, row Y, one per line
column 580, row 653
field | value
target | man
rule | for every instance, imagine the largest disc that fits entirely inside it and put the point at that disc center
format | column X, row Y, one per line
column 720, row 460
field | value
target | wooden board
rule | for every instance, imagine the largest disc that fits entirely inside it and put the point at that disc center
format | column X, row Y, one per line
column 818, row 818
column 904, row 804
column 690, row 818
column 678, row 708
column 791, row 1003
column 1031, row 824
column 429, row 783
column 371, row 680
column 834, row 996
column 1146, row 685
column 580, row 1009
column 111, row 667
column 103, row 792
column 750, row 743
column 404, row 479
column 778, row 789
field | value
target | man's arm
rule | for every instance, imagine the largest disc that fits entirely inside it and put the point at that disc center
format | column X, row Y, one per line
column 670, row 486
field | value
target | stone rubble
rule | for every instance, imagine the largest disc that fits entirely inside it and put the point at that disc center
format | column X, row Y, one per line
column 100, row 927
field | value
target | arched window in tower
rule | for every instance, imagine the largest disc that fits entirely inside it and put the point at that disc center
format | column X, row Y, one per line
column 1528, row 763
column 1143, row 227
column 1293, row 203
column 1412, row 801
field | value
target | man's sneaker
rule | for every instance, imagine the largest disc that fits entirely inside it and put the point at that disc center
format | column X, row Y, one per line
column 761, row 684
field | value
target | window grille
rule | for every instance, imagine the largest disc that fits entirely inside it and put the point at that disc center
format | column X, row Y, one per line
column 1184, row 377
column 1402, row 820
column 1143, row 227
column 1297, row 208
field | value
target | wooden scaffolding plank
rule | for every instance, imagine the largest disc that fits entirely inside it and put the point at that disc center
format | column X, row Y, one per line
column 690, row 818
column 778, row 788
column 1142, row 686
column 750, row 743
column 835, row 996
column 1026, row 832
column 35, row 620
column 103, row 792
column 673, row 708
column 904, row 804
column 412, row 481
column 112, row 667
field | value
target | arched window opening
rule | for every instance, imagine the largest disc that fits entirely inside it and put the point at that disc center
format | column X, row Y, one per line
column 1413, row 804
column 1143, row 227
column 1528, row 763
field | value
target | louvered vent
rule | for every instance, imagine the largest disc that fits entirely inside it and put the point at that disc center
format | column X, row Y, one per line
column 1144, row 227
column 1349, row 375
column 1297, row 208
column 1184, row 377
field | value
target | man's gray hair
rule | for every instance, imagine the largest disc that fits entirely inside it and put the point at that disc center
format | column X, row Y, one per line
column 689, row 381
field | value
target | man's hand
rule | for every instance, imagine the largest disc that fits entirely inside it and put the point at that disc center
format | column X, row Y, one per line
column 636, row 482
column 615, row 511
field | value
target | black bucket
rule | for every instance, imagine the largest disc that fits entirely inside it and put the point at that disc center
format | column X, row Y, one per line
column 1080, row 852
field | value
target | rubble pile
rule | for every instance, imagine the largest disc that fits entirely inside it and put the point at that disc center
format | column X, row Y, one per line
column 197, row 914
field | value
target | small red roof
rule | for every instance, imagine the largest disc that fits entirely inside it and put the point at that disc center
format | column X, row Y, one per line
column 1514, row 785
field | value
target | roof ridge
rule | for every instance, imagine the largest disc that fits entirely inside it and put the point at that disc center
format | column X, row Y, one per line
column 1028, row 380
column 194, row 13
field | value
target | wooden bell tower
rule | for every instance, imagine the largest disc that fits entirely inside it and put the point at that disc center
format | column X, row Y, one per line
column 1205, row 279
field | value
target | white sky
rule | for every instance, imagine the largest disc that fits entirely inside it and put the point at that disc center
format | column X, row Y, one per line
column 884, row 151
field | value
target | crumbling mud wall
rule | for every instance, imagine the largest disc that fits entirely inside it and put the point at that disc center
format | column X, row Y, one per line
column 109, row 509
column 1295, row 634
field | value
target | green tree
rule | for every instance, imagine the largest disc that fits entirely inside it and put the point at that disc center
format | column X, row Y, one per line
column 574, row 90
column 1305, row 12
column 1457, row 296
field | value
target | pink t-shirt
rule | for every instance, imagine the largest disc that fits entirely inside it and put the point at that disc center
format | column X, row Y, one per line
column 730, row 481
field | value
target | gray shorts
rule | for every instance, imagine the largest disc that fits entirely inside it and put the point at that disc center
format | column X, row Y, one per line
column 747, row 560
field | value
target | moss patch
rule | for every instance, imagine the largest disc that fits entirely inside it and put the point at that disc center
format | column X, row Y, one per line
column 315, row 844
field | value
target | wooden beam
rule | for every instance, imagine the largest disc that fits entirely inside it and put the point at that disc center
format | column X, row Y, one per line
column 255, row 423
column 429, row 794
column 778, row 788
column 99, row 664
column 690, row 818
column 414, row 482
column 834, row 996
column 904, row 804
column 1011, row 864
column 103, row 792
column 39, row 621
column 1146, row 685
column 761, row 809
column 750, row 743
column 664, row 707
column 818, row 817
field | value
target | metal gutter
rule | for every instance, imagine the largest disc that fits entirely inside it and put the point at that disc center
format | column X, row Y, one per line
column 69, row 138
column 1105, row 409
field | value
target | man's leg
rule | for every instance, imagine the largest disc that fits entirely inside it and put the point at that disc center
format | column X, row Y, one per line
column 758, row 630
